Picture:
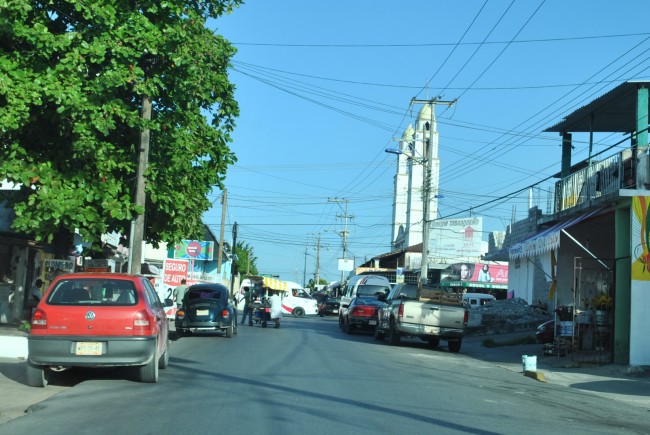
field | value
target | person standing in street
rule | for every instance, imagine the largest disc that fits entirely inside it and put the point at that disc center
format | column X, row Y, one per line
column 35, row 296
column 247, row 307
column 276, row 309
column 179, row 292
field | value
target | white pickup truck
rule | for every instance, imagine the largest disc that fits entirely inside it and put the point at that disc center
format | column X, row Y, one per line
column 430, row 314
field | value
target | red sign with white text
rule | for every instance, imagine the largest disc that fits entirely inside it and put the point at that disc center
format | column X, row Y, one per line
column 175, row 271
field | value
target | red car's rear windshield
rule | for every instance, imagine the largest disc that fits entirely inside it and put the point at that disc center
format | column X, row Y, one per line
column 93, row 291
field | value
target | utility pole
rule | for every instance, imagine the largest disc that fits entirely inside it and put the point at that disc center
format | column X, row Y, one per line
column 317, row 275
column 224, row 202
column 233, row 266
column 137, row 226
column 426, row 186
column 304, row 271
column 345, row 217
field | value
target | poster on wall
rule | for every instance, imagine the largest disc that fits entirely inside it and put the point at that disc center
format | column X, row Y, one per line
column 640, row 238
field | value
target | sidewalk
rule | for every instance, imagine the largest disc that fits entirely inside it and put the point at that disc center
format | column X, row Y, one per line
column 614, row 382
column 617, row 382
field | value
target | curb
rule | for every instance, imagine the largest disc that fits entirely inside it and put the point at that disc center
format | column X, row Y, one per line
column 13, row 347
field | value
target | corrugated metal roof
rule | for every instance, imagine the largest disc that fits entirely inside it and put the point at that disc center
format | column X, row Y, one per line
column 613, row 112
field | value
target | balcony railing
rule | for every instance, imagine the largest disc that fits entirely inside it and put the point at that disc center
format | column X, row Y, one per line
column 596, row 183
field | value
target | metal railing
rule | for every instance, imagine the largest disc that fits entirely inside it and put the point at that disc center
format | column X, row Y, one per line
column 597, row 182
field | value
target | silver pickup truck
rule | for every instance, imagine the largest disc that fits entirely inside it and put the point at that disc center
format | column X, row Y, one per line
column 430, row 314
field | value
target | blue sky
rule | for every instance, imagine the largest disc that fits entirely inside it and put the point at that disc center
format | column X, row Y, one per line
column 325, row 87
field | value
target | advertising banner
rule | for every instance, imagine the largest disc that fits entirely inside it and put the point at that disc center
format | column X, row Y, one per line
column 455, row 238
column 482, row 272
column 194, row 250
column 175, row 271
column 640, row 238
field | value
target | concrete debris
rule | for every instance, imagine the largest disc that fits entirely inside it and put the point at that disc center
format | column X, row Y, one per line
column 511, row 315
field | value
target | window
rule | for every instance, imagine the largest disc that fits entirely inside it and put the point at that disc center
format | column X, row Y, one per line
column 89, row 291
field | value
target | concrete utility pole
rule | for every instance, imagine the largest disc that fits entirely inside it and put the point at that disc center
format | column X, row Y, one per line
column 137, row 226
column 224, row 202
column 345, row 217
column 317, row 274
column 426, row 187
column 304, row 271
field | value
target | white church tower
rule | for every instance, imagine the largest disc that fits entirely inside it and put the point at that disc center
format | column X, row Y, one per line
column 408, row 210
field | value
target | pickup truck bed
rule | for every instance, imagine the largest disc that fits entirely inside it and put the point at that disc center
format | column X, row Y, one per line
column 429, row 314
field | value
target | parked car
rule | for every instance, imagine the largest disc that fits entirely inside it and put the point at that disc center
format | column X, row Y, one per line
column 206, row 308
column 98, row 320
column 546, row 332
column 328, row 305
column 361, row 314
column 362, row 285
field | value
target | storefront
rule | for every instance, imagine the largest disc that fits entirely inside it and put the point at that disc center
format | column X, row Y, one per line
column 570, row 267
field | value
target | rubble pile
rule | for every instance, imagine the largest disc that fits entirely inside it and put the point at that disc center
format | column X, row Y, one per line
column 512, row 314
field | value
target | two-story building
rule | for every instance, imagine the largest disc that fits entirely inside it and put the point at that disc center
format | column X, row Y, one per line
column 590, row 257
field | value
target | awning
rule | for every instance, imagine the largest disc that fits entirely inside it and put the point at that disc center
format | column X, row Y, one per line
column 274, row 283
column 546, row 240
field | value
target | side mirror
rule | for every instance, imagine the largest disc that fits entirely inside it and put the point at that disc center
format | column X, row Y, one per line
column 169, row 302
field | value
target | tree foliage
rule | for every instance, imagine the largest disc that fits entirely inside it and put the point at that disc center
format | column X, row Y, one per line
column 246, row 260
column 72, row 78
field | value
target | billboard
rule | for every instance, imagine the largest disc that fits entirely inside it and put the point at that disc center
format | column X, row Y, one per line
column 481, row 273
column 175, row 271
column 194, row 250
column 457, row 239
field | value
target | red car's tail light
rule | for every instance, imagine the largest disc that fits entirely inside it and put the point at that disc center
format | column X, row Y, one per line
column 225, row 313
column 142, row 323
column 39, row 320
column 361, row 311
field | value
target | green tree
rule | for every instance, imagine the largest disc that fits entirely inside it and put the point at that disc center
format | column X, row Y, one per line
column 246, row 259
column 72, row 78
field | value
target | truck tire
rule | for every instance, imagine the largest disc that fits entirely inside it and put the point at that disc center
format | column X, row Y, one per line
column 454, row 346
column 379, row 335
column 393, row 334
column 298, row 312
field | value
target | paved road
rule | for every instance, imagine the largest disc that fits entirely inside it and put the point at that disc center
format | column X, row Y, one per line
column 314, row 378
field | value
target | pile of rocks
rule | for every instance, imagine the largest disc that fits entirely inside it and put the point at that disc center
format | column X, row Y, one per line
column 509, row 315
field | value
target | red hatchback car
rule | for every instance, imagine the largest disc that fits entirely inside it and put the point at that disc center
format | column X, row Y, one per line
column 98, row 320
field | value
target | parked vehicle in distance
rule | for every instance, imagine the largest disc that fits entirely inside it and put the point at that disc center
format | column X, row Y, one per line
column 297, row 302
column 98, row 320
column 363, row 285
column 361, row 314
column 328, row 305
column 206, row 308
column 475, row 300
column 546, row 332
column 430, row 314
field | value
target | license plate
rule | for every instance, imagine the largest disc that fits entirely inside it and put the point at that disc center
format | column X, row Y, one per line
column 88, row 348
column 202, row 312
column 372, row 322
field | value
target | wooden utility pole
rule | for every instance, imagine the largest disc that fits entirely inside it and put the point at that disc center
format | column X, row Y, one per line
column 137, row 226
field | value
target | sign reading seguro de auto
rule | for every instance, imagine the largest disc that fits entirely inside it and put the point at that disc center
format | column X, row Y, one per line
column 175, row 272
